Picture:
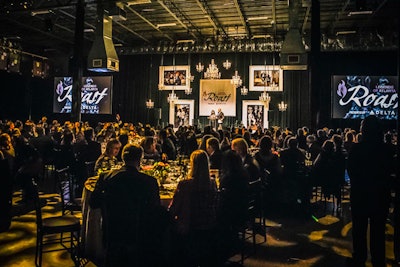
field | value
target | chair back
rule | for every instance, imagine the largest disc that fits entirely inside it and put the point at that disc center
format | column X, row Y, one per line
column 65, row 187
column 255, row 198
column 38, row 207
column 89, row 167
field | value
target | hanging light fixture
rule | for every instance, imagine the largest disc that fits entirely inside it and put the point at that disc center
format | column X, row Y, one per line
column 227, row 64
column 236, row 80
column 282, row 106
column 244, row 90
column 189, row 75
column 199, row 67
column 172, row 97
column 149, row 102
column 212, row 71
column 265, row 97
column 188, row 90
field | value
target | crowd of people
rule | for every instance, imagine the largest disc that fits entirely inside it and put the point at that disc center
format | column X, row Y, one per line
column 289, row 164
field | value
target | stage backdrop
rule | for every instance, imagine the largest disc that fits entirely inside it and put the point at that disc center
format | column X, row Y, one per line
column 95, row 92
column 215, row 94
column 356, row 97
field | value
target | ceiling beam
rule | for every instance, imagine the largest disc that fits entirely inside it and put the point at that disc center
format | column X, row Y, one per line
column 148, row 22
column 40, row 31
column 86, row 23
column 132, row 31
column 242, row 19
column 334, row 21
column 168, row 5
column 210, row 15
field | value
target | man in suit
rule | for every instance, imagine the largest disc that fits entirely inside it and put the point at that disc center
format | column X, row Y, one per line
column 132, row 215
column 214, row 153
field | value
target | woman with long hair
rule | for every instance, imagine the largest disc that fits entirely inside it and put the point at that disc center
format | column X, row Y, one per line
column 194, row 211
column 108, row 159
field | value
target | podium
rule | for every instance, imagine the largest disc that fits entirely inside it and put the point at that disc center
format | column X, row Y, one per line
column 212, row 121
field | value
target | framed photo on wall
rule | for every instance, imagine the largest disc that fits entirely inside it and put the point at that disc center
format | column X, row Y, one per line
column 266, row 77
column 254, row 114
column 174, row 77
column 181, row 112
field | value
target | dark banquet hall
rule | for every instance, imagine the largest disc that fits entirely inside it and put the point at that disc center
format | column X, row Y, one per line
column 195, row 133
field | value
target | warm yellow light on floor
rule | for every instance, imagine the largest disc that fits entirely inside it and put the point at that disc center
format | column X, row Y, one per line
column 317, row 235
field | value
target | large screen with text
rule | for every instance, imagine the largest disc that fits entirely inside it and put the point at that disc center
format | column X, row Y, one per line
column 95, row 95
column 356, row 97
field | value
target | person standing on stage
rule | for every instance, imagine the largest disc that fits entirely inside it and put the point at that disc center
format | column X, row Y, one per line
column 220, row 118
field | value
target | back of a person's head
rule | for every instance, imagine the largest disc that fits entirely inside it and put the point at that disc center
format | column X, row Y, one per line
column 371, row 129
column 163, row 134
column 300, row 132
column 328, row 146
column 265, row 143
column 231, row 163
column 199, row 167
column 349, row 137
column 321, row 133
column 292, row 142
column 89, row 133
column 123, row 138
column 240, row 146
column 213, row 143
column 132, row 154
column 337, row 140
column 311, row 138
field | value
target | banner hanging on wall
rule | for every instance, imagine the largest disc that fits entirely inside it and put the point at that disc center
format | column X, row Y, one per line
column 357, row 97
column 217, row 94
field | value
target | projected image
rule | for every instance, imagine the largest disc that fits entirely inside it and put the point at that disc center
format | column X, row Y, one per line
column 356, row 97
column 95, row 95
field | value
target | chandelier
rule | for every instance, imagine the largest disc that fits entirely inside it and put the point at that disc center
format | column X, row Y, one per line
column 188, row 90
column 212, row 71
column 236, row 79
column 227, row 64
column 172, row 97
column 149, row 104
column 199, row 67
column 191, row 77
column 264, row 97
column 244, row 90
column 282, row 106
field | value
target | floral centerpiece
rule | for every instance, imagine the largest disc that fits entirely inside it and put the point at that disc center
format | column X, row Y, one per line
column 158, row 170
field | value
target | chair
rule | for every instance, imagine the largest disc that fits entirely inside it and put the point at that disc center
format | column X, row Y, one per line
column 66, row 187
column 255, row 222
column 89, row 168
column 55, row 225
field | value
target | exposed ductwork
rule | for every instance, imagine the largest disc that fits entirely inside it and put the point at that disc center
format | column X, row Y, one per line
column 293, row 53
column 102, row 56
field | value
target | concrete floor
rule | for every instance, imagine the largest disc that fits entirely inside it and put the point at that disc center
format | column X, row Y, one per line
column 320, row 240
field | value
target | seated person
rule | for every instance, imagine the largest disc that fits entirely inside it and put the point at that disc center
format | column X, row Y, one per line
column 108, row 159
column 150, row 150
column 133, row 218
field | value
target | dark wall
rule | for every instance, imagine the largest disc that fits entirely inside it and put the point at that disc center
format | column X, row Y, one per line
column 24, row 96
